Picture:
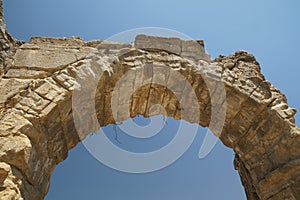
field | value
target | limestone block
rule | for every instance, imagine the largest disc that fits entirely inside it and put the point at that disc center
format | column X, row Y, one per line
column 193, row 49
column 72, row 41
column 26, row 74
column 11, row 87
column 189, row 49
column 48, row 60
column 172, row 45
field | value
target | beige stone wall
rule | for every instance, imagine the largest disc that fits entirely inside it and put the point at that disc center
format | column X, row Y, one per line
column 38, row 121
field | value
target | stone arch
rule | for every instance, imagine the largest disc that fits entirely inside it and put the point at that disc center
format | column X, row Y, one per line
column 37, row 125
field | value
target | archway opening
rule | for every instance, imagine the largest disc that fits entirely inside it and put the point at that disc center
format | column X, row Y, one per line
column 214, row 177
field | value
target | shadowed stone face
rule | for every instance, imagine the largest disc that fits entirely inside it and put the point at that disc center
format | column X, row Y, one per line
column 38, row 120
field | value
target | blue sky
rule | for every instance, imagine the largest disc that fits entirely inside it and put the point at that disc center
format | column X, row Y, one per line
column 268, row 29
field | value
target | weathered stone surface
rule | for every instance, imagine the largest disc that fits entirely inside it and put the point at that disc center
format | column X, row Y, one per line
column 11, row 87
column 7, row 44
column 190, row 49
column 37, row 117
column 48, row 55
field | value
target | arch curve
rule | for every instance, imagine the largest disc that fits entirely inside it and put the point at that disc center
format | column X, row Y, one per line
column 38, row 121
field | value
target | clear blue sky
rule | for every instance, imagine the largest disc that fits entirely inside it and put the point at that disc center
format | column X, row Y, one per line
column 269, row 29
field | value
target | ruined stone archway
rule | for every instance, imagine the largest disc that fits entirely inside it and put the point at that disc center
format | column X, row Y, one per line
column 37, row 124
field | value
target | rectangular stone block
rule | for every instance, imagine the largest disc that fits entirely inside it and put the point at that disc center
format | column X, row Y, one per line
column 151, row 42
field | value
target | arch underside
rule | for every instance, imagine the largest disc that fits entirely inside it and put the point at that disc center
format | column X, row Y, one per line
column 39, row 124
